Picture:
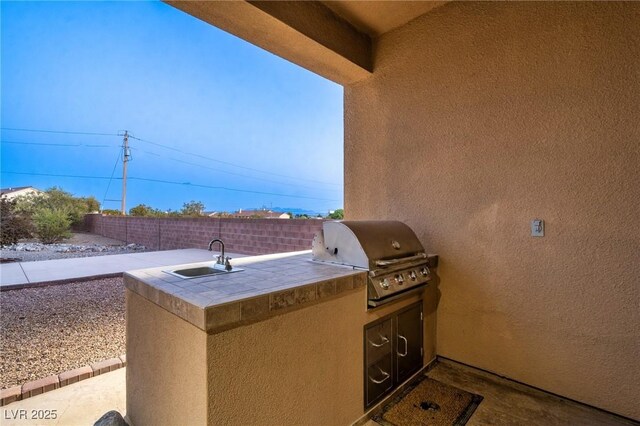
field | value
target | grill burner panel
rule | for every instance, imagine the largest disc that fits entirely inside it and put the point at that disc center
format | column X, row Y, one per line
column 389, row 250
column 394, row 282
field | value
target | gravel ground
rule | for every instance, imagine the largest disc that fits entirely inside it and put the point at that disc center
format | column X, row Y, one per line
column 79, row 245
column 49, row 330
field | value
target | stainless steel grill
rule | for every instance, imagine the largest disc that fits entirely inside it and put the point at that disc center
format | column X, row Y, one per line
column 389, row 250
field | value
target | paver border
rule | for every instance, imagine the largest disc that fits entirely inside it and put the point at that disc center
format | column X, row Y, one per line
column 49, row 383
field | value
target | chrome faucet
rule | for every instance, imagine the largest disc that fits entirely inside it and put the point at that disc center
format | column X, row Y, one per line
column 221, row 259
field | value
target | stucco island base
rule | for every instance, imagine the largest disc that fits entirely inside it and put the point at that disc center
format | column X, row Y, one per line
column 302, row 367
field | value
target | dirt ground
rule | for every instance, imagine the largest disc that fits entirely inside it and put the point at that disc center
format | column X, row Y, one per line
column 49, row 330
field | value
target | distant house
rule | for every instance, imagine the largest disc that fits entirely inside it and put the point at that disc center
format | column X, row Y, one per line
column 252, row 214
column 217, row 214
column 11, row 193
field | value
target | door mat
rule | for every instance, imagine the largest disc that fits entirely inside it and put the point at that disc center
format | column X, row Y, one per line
column 429, row 403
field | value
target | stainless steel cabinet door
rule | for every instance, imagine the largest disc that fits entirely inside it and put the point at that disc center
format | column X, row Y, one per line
column 408, row 342
column 378, row 341
column 379, row 379
column 392, row 351
column 378, row 360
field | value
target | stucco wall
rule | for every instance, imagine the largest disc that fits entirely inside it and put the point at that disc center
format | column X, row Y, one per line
column 166, row 367
column 480, row 117
column 304, row 367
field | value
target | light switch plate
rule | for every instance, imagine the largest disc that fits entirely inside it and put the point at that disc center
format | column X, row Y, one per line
column 537, row 228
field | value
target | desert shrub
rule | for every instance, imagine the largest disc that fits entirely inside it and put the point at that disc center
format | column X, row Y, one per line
column 192, row 208
column 144, row 210
column 14, row 224
column 337, row 214
column 51, row 225
column 57, row 199
column 111, row 212
column 92, row 205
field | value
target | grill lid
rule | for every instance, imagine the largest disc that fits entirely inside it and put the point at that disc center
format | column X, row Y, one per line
column 365, row 243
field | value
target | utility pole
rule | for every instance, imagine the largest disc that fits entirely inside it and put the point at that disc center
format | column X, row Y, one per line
column 126, row 153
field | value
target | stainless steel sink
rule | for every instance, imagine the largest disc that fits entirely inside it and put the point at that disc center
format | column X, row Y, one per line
column 201, row 271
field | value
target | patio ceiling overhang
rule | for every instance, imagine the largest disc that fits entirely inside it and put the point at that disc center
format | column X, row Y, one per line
column 333, row 39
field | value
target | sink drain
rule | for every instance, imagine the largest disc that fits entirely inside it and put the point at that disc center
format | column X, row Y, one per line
column 429, row 406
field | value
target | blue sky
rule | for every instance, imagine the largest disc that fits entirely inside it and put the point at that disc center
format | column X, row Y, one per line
column 172, row 80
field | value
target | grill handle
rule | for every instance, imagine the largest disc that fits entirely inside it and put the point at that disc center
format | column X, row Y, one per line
column 406, row 345
column 385, row 376
column 383, row 339
column 392, row 262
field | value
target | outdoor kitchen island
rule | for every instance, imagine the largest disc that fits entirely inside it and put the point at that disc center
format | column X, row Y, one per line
column 278, row 343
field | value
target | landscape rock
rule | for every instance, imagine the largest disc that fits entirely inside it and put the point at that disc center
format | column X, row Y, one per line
column 35, row 251
column 83, row 323
column 111, row 418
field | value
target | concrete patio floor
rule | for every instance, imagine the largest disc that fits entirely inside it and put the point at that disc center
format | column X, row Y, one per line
column 505, row 402
column 510, row 403
column 20, row 274
column 81, row 403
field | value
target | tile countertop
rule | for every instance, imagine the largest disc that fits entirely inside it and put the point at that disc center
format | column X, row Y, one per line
column 268, row 285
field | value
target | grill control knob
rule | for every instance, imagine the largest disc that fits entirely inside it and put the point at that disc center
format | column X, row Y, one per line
column 412, row 275
column 384, row 284
column 399, row 279
column 425, row 271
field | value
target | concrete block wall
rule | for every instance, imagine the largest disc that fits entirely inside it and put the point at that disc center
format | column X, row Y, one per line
column 268, row 235
column 140, row 230
column 113, row 229
column 246, row 236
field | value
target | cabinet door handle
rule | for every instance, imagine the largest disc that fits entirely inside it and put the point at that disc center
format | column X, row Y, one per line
column 383, row 339
column 384, row 374
column 406, row 345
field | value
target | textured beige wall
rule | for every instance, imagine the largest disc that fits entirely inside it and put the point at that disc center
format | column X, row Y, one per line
column 482, row 116
column 304, row 368
column 166, row 367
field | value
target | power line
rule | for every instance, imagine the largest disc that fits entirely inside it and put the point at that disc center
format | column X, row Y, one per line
column 262, row 179
column 172, row 149
column 56, row 144
column 65, row 132
column 231, row 189
column 40, row 143
column 223, row 188
column 228, row 163
column 110, row 178
column 54, row 175
column 232, row 173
